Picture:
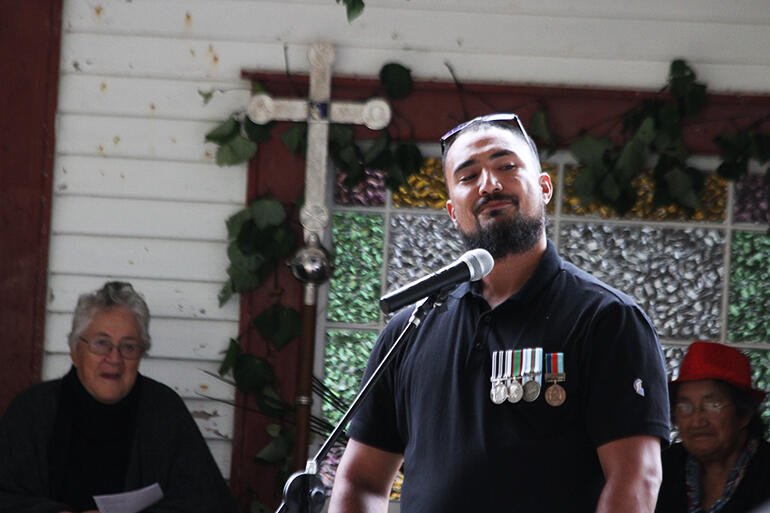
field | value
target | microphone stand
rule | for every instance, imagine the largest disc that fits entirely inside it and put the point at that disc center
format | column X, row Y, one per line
column 304, row 491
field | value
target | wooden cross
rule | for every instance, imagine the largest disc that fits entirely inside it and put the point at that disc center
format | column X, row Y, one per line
column 318, row 110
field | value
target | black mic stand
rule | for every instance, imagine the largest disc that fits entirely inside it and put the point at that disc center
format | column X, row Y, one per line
column 304, row 491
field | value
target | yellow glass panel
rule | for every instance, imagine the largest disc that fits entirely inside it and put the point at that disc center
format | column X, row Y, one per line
column 712, row 197
column 426, row 188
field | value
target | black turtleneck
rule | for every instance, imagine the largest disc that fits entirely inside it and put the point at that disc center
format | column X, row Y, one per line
column 91, row 445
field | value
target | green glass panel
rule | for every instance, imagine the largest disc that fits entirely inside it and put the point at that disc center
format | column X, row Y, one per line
column 354, row 289
column 346, row 355
column 749, row 296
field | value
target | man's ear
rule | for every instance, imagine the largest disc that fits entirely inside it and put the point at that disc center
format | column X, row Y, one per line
column 451, row 209
column 546, row 186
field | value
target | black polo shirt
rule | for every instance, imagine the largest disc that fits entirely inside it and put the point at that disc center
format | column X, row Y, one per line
column 464, row 453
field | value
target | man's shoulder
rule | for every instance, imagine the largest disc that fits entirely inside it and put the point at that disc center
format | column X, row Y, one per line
column 589, row 285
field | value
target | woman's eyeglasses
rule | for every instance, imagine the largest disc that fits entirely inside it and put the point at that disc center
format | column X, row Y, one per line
column 447, row 138
column 103, row 347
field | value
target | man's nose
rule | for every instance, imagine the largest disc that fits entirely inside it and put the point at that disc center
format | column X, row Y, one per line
column 489, row 183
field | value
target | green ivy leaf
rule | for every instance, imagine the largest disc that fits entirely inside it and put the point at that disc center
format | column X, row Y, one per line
column 681, row 188
column 354, row 8
column 585, row 184
column 250, row 263
column 223, row 132
column 538, row 129
column 267, row 212
column 279, row 325
column 273, row 430
column 206, row 95
column 589, row 151
column 257, row 87
column 275, row 451
column 255, row 132
column 378, row 149
column 242, row 280
column 231, row 356
column 397, row 80
column 759, row 147
column 281, row 242
column 409, row 158
column 269, row 402
column 632, row 158
column 340, row 134
column 251, row 373
column 225, row 293
column 235, row 222
column 295, row 139
column 609, row 188
column 236, row 150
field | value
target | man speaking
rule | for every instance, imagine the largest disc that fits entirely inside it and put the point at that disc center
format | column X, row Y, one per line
column 536, row 389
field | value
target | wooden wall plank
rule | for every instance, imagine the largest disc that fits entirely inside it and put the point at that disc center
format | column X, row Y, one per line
column 146, row 258
column 141, row 218
column 129, row 178
column 135, row 137
column 148, row 97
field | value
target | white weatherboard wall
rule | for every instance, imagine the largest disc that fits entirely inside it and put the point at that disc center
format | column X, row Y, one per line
column 138, row 197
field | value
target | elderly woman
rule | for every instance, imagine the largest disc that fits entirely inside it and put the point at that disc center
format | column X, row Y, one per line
column 104, row 428
column 723, row 462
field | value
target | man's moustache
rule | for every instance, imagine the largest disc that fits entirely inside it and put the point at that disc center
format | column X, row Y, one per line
column 495, row 197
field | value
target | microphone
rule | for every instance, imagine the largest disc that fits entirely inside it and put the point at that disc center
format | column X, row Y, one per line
column 472, row 266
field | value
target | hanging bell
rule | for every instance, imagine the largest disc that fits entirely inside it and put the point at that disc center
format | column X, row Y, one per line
column 312, row 263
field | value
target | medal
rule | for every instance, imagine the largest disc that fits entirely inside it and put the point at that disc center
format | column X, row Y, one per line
column 532, row 369
column 498, row 391
column 555, row 395
column 515, row 390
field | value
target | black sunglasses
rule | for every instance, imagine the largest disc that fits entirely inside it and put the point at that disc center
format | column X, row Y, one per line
column 447, row 138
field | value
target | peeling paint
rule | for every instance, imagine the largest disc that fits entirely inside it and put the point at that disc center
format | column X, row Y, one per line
column 64, row 170
column 100, row 148
column 152, row 107
column 192, row 52
column 203, row 387
column 130, row 262
column 122, row 176
column 198, row 414
column 116, row 140
column 173, row 140
column 207, row 154
column 188, row 18
column 63, row 187
column 76, row 65
column 202, row 311
column 217, row 433
column 103, row 86
column 98, row 10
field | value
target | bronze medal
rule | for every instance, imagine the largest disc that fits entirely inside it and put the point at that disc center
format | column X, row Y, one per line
column 531, row 390
column 555, row 395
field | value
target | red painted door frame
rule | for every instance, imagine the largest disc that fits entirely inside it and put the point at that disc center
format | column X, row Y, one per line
column 30, row 36
column 432, row 109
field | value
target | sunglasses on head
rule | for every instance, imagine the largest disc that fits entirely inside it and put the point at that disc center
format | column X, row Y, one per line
column 447, row 138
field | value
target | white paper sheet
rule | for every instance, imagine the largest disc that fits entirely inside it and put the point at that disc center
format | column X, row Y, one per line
column 129, row 502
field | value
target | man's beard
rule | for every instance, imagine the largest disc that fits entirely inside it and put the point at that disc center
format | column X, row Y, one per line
column 508, row 235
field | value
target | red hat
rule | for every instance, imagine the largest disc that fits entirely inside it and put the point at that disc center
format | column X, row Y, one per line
column 710, row 360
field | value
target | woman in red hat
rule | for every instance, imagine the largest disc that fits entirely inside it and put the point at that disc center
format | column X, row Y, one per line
column 722, row 464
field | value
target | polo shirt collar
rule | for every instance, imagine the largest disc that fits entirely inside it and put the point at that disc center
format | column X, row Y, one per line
column 546, row 270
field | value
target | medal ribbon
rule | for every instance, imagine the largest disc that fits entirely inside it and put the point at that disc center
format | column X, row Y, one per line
column 554, row 363
column 516, row 371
